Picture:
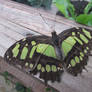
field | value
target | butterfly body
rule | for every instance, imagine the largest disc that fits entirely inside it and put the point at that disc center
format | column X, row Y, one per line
column 50, row 56
column 56, row 43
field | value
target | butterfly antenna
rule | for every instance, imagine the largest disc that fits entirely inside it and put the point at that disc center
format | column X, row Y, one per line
column 46, row 24
column 85, row 69
column 43, row 19
column 52, row 28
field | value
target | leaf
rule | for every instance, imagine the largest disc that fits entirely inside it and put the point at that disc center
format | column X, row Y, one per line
column 87, row 8
column 28, row 90
column 39, row 3
column 47, row 4
column 19, row 87
column 6, row 75
column 84, row 19
column 64, row 6
column 48, row 89
column 54, row 1
column 71, row 10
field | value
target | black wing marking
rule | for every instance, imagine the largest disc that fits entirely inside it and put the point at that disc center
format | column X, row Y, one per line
column 55, row 66
column 77, row 57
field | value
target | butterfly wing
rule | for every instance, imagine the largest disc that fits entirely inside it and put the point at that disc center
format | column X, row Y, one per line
column 37, row 54
column 76, row 45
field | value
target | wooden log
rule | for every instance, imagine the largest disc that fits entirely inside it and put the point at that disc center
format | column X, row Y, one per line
column 27, row 80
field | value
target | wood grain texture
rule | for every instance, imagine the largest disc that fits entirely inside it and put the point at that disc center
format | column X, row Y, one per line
column 49, row 14
column 33, row 19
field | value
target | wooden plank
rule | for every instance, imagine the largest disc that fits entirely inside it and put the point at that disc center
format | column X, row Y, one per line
column 81, row 83
column 10, row 33
column 32, row 11
column 2, row 50
column 27, row 80
column 33, row 20
column 15, row 28
column 27, row 8
column 6, row 41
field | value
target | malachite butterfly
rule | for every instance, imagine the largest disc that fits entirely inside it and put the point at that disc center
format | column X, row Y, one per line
column 50, row 56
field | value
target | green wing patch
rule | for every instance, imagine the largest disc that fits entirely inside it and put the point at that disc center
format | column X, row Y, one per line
column 87, row 33
column 46, row 49
column 73, row 63
column 42, row 69
column 54, row 69
column 24, row 53
column 48, row 69
column 39, row 66
column 77, row 59
column 67, row 45
column 78, row 40
column 15, row 50
column 32, row 51
column 33, row 43
column 83, row 38
column 76, row 47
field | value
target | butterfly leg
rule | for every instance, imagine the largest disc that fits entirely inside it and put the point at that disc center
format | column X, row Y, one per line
column 29, row 34
column 85, row 69
column 90, row 54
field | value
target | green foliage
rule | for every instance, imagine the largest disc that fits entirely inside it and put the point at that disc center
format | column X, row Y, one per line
column 67, row 8
column 50, row 89
column 54, row 1
column 37, row 3
column 88, row 7
column 85, row 19
column 6, row 75
column 64, row 6
column 20, row 88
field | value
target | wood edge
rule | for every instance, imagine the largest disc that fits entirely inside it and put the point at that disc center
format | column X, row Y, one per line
column 47, row 15
column 22, row 77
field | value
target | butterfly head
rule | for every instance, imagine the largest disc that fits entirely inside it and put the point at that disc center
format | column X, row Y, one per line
column 55, row 38
column 53, row 33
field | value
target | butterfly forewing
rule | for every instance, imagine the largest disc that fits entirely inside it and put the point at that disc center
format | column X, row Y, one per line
column 36, row 54
column 76, row 45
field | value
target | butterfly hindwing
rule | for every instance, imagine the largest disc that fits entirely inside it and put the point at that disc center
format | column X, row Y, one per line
column 76, row 45
column 36, row 54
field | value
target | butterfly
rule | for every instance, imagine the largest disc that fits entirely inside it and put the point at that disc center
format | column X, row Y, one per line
column 52, row 56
